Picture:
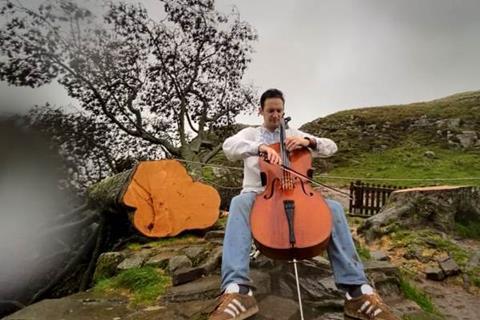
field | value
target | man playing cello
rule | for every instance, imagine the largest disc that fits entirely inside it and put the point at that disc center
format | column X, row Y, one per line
column 237, row 301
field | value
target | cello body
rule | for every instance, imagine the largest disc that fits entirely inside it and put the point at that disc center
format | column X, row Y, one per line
column 293, row 222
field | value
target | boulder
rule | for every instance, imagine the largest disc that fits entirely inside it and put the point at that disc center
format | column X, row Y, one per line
column 434, row 273
column 134, row 261
column 179, row 262
column 107, row 265
column 438, row 207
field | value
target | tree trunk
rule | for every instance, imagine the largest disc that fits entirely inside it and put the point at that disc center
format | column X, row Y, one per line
column 104, row 194
column 161, row 198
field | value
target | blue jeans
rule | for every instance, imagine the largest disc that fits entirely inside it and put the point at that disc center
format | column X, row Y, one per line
column 346, row 265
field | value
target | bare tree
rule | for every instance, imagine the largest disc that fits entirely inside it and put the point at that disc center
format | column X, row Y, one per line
column 170, row 82
column 91, row 150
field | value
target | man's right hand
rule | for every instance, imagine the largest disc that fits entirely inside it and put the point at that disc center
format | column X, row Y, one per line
column 270, row 154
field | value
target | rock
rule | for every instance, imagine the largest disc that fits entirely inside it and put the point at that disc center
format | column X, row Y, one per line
column 467, row 138
column 184, row 275
column 193, row 309
column 194, row 253
column 474, row 260
column 215, row 236
column 379, row 256
column 283, row 288
column 262, row 261
column 449, row 267
column 327, row 304
column 422, row 122
column 331, row 316
column 179, row 262
column 201, row 289
column 312, row 281
column 213, row 260
column 436, row 207
column 385, row 277
column 107, row 265
column 321, row 261
column 434, row 273
column 454, row 123
column 379, row 266
column 134, row 261
column 161, row 260
column 330, row 286
column 73, row 307
column 262, row 281
column 430, row 154
column 277, row 308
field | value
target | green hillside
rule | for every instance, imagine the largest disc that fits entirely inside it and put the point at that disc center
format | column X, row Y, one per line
column 426, row 140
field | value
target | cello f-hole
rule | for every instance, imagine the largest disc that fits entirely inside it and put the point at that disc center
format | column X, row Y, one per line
column 302, row 183
column 266, row 197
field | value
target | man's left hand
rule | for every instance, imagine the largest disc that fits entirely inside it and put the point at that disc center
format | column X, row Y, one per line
column 294, row 143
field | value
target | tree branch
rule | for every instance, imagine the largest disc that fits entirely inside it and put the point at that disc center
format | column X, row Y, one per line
column 211, row 154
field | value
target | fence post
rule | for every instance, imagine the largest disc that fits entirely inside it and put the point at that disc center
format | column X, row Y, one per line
column 366, row 199
column 350, row 202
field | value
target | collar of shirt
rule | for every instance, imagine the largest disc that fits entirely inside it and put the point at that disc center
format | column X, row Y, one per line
column 269, row 137
column 264, row 129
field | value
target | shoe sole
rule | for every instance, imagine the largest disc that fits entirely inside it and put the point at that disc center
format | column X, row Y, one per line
column 247, row 314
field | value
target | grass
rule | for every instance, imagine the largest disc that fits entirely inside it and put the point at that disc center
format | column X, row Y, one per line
column 414, row 240
column 181, row 239
column 418, row 296
column 221, row 223
column 144, row 284
column 463, row 106
column 409, row 162
column 471, row 230
column 380, row 142
column 363, row 252
column 474, row 275
column 427, row 238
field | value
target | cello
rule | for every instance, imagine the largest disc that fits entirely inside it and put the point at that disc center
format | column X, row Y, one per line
column 289, row 219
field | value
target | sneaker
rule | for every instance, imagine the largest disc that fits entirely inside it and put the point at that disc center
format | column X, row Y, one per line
column 368, row 307
column 234, row 306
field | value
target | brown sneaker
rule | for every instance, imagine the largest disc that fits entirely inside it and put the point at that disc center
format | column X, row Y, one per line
column 234, row 306
column 368, row 307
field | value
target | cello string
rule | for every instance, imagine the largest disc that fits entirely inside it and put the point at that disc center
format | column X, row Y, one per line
column 285, row 168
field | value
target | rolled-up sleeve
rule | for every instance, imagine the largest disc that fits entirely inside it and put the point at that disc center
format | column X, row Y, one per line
column 241, row 145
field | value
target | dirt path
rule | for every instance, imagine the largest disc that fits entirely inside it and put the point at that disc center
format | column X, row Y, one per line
column 452, row 300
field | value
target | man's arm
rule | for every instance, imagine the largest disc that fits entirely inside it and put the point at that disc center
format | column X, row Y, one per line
column 241, row 145
column 321, row 147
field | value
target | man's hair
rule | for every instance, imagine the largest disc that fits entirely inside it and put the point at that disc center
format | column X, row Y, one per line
column 271, row 93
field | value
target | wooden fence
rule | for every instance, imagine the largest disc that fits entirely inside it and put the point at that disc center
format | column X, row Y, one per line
column 367, row 199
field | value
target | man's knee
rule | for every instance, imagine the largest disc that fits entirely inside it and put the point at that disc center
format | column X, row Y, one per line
column 336, row 208
column 241, row 203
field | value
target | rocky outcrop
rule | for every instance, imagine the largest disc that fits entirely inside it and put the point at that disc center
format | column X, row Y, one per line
column 438, row 207
column 194, row 297
column 451, row 122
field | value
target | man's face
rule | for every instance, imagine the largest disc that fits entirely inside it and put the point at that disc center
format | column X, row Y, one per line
column 272, row 112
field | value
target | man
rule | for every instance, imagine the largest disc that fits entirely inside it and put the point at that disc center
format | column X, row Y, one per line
column 237, row 301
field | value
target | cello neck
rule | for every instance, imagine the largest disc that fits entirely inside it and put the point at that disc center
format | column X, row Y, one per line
column 283, row 135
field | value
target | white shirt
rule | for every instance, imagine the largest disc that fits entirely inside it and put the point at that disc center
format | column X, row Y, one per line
column 244, row 145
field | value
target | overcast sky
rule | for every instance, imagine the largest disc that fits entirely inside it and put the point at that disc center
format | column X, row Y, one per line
column 334, row 55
